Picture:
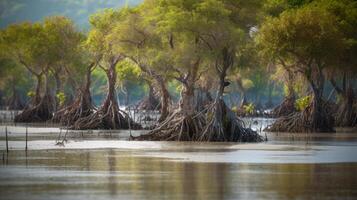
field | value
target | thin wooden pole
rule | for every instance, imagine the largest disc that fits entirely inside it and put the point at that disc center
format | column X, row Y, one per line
column 7, row 143
column 26, row 137
column 129, row 123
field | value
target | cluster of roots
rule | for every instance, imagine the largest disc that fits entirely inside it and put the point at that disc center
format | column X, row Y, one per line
column 286, row 108
column 41, row 112
column 346, row 115
column 225, row 126
column 307, row 120
column 68, row 115
column 149, row 103
column 106, row 118
column 15, row 103
column 217, row 123
column 176, row 127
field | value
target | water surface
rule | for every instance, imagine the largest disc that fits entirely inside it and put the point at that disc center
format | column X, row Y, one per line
column 104, row 165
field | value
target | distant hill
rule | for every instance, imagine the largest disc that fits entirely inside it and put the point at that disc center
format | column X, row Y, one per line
column 12, row 11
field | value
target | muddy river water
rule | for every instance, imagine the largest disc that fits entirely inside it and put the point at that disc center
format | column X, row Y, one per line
column 104, row 165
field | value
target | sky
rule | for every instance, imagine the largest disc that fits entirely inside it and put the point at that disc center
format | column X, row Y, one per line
column 14, row 11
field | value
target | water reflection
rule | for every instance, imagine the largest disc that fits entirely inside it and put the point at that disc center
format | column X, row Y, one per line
column 109, row 174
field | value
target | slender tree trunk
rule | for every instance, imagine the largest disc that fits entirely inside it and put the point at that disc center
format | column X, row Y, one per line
column 320, row 119
column 269, row 103
column 345, row 115
column 152, row 95
column 47, row 99
column 58, row 88
column 37, row 98
column 127, row 97
column 165, row 99
column 111, row 99
column 187, row 101
column 86, row 95
column 243, row 100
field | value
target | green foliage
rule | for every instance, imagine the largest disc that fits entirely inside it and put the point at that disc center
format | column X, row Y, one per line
column 249, row 108
column 61, row 97
column 31, row 94
column 303, row 102
column 235, row 109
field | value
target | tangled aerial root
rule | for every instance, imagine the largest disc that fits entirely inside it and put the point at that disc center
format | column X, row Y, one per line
column 180, row 127
column 149, row 103
column 304, row 121
column 285, row 108
column 224, row 126
column 15, row 103
column 346, row 115
column 41, row 112
column 111, row 118
column 70, row 114
column 176, row 127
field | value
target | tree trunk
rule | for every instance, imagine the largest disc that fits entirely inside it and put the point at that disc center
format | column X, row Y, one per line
column 58, row 88
column 165, row 99
column 15, row 102
column 346, row 114
column 127, row 97
column 187, row 100
column 320, row 119
column 243, row 100
column 80, row 107
column 86, row 96
column 269, row 103
column 287, row 106
column 111, row 99
column 37, row 98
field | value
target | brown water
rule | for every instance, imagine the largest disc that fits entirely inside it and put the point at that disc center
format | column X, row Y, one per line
column 288, row 166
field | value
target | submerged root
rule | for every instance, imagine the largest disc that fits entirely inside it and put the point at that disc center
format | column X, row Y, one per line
column 39, row 113
column 111, row 118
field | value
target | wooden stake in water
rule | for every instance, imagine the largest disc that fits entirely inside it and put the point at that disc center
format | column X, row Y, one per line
column 26, row 138
column 7, row 143
column 129, row 123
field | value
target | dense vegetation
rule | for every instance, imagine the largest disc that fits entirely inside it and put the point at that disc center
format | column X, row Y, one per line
column 205, row 52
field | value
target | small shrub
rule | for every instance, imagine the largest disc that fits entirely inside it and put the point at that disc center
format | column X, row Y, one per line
column 31, row 94
column 249, row 109
column 61, row 97
column 302, row 103
column 235, row 109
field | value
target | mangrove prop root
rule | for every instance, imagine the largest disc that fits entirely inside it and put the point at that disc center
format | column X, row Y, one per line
column 286, row 107
column 346, row 114
column 70, row 114
column 41, row 112
column 224, row 126
column 202, row 127
column 176, row 127
column 304, row 121
column 149, row 103
column 111, row 118
column 15, row 103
